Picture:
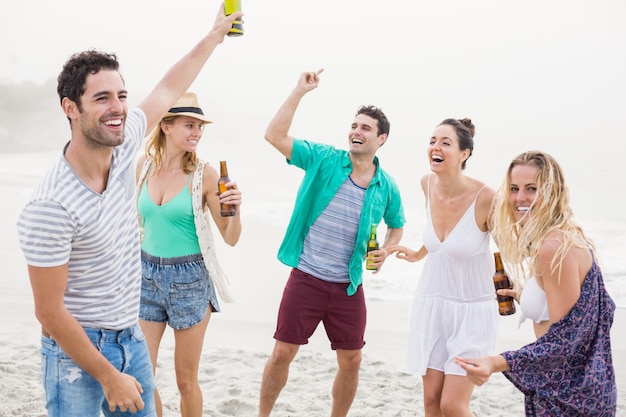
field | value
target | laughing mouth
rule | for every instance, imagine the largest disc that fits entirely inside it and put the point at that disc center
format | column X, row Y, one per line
column 437, row 159
column 113, row 122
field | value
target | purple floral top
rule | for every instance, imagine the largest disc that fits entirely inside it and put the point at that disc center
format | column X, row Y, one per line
column 569, row 370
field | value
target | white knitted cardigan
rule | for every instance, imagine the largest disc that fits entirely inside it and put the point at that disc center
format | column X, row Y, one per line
column 203, row 230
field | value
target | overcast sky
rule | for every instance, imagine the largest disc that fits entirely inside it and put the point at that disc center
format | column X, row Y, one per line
column 447, row 55
column 546, row 74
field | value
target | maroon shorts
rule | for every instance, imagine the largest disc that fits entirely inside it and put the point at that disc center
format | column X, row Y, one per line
column 307, row 300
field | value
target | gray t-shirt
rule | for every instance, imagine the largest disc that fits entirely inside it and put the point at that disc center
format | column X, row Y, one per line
column 97, row 235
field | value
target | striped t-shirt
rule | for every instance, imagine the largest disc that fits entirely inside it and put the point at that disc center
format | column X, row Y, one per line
column 97, row 235
column 329, row 245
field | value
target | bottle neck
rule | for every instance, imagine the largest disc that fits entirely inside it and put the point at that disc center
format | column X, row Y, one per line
column 498, row 261
column 223, row 169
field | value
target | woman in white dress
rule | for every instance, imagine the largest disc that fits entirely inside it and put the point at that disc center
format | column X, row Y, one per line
column 454, row 309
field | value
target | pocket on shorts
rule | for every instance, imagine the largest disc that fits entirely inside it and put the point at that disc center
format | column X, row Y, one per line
column 149, row 288
column 56, row 364
column 147, row 283
column 187, row 298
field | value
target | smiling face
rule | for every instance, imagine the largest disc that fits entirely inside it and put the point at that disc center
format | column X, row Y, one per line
column 363, row 138
column 184, row 132
column 103, row 109
column 523, row 191
column 444, row 150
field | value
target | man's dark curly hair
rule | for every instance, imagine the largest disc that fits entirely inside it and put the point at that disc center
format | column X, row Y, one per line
column 376, row 113
column 71, row 80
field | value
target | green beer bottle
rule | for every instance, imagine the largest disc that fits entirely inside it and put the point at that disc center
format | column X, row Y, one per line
column 372, row 244
column 230, row 7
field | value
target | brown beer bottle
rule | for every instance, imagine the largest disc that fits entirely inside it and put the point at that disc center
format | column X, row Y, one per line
column 372, row 244
column 226, row 210
column 501, row 281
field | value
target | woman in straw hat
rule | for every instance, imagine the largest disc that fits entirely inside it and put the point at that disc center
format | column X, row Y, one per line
column 181, row 275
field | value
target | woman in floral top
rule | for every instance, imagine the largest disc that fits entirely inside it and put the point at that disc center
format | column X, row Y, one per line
column 568, row 370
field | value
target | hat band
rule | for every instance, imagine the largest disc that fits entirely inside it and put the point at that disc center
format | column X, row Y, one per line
column 196, row 110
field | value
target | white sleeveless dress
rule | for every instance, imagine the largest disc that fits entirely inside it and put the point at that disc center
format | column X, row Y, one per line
column 455, row 312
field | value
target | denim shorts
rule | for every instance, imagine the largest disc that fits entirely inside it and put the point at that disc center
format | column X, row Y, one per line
column 72, row 392
column 176, row 291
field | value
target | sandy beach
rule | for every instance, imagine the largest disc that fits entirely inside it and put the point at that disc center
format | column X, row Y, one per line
column 545, row 75
column 239, row 340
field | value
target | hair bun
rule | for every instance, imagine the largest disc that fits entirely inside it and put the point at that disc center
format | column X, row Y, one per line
column 467, row 122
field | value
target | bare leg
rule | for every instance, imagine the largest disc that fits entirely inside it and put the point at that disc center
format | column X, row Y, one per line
column 275, row 375
column 456, row 395
column 346, row 381
column 153, row 331
column 186, row 362
column 433, row 387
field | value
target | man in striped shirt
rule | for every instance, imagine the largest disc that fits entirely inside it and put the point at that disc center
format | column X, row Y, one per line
column 342, row 194
column 79, row 234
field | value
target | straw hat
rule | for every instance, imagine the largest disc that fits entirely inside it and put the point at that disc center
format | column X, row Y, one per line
column 188, row 105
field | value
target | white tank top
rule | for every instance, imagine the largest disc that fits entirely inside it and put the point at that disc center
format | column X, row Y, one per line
column 533, row 302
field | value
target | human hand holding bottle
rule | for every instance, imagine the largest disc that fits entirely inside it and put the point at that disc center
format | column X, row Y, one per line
column 509, row 292
column 229, row 195
column 501, row 281
column 375, row 259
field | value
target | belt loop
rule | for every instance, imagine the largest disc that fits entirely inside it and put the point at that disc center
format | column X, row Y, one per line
column 126, row 333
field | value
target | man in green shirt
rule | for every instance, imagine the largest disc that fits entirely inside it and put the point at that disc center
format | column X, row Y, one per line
column 342, row 194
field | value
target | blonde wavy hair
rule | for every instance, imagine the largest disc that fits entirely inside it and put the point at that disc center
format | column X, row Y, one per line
column 551, row 212
column 155, row 147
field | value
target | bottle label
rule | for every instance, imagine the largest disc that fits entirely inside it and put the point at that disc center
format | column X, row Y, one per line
column 369, row 263
column 230, row 7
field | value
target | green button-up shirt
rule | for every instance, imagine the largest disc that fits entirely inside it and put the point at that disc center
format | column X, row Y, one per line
column 326, row 168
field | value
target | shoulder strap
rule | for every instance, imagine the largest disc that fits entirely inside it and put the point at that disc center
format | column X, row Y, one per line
column 481, row 188
column 428, row 190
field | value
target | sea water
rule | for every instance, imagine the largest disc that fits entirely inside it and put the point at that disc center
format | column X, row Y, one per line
column 269, row 187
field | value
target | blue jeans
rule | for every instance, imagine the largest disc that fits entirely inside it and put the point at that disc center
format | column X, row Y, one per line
column 72, row 392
